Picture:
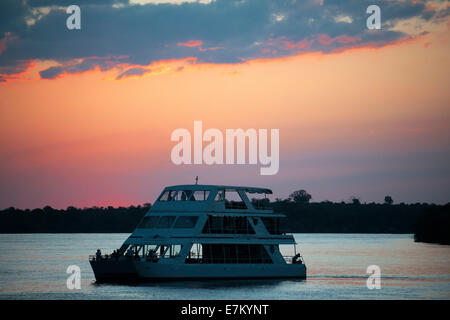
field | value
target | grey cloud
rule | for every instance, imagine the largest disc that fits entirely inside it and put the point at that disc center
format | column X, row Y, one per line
column 72, row 68
column 51, row 73
column 133, row 72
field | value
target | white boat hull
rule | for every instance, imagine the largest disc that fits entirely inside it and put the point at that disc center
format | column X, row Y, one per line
column 110, row 271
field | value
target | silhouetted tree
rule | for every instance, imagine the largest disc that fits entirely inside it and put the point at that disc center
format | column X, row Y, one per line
column 388, row 200
column 300, row 196
column 355, row 200
column 48, row 209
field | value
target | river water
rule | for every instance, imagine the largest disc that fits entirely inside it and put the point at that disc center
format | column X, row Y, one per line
column 33, row 266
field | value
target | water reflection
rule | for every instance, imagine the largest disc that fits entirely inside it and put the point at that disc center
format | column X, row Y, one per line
column 210, row 283
column 33, row 266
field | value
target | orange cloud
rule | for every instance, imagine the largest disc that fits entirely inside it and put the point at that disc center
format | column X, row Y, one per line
column 191, row 43
column 177, row 65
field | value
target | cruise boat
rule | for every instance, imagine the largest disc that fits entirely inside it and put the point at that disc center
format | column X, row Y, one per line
column 204, row 232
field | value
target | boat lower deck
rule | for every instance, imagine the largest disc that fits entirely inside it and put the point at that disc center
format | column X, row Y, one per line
column 114, row 271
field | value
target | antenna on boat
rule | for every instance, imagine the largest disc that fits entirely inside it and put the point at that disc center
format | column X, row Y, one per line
column 196, row 180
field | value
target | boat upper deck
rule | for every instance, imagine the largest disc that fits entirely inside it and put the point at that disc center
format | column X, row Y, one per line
column 214, row 199
column 217, row 187
column 212, row 213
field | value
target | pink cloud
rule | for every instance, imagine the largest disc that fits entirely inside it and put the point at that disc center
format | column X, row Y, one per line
column 191, row 43
column 7, row 38
column 325, row 39
column 304, row 44
column 343, row 39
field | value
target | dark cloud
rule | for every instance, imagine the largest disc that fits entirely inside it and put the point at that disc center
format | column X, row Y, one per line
column 133, row 72
column 87, row 64
column 51, row 73
column 142, row 34
column 13, row 15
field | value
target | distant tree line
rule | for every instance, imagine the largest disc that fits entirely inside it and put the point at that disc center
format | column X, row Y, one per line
column 303, row 216
column 353, row 217
column 72, row 220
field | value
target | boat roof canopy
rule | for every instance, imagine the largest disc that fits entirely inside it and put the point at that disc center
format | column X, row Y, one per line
column 217, row 187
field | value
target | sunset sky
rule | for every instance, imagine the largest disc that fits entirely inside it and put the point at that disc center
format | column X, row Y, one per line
column 86, row 115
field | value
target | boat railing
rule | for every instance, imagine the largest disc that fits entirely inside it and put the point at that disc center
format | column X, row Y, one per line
column 105, row 257
column 297, row 259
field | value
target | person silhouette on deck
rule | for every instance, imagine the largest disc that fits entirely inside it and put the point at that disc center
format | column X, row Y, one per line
column 98, row 255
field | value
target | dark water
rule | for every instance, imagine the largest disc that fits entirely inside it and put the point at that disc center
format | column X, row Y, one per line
column 33, row 266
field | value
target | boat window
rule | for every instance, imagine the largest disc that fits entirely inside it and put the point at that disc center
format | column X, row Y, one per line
column 228, row 253
column 149, row 222
column 173, row 251
column 220, row 196
column 182, row 195
column 174, row 195
column 166, row 221
column 149, row 248
column 186, row 222
column 164, row 196
column 200, row 195
column 233, row 200
column 226, row 224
